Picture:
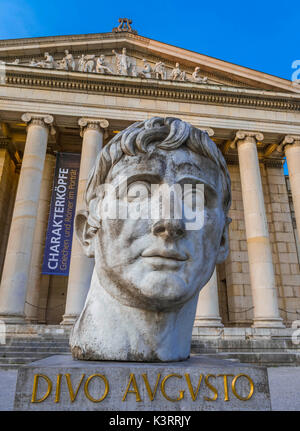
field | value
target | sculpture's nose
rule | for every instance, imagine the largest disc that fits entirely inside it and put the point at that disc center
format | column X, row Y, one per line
column 169, row 229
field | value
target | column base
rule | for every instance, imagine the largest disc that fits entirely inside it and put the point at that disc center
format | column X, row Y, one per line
column 13, row 319
column 69, row 319
column 262, row 322
column 32, row 320
column 211, row 322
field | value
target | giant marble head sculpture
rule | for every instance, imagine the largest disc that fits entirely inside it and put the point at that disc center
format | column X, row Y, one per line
column 149, row 267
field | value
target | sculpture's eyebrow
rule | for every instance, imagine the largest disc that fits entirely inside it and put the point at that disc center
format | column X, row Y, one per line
column 142, row 176
column 191, row 179
column 149, row 176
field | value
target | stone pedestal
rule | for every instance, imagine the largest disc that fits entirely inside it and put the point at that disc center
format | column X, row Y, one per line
column 59, row 383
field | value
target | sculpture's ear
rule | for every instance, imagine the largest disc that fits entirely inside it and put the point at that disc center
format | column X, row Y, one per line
column 224, row 246
column 85, row 233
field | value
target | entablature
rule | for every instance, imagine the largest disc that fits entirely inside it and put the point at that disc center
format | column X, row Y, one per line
column 128, row 86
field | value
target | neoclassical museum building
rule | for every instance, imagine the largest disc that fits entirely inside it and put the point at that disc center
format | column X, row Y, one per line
column 62, row 98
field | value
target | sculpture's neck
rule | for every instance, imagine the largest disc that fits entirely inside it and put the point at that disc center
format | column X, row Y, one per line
column 125, row 333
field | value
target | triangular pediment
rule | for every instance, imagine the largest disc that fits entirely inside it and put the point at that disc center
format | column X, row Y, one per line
column 143, row 54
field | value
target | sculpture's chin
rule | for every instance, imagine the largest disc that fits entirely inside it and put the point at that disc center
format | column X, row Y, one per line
column 146, row 289
column 161, row 290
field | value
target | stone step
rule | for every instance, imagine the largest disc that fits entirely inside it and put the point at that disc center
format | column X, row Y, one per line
column 261, row 358
column 35, row 344
column 28, row 358
column 9, row 366
column 20, row 347
column 33, row 348
column 36, row 340
column 22, row 350
column 248, row 345
column 20, row 361
column 35, row 356
column 10, row 354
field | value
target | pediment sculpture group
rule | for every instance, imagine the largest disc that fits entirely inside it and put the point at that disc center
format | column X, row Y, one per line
column 123, row 66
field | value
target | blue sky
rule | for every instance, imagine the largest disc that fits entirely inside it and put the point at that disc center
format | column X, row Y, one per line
column 263, row 35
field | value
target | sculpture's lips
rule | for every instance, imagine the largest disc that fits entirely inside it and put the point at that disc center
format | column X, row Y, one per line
column 164, row 253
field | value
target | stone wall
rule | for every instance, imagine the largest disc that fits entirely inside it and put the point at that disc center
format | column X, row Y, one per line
column 284, row 252
column 237, row 266
column 52, row 299
column 285, row 258
column 56, row 299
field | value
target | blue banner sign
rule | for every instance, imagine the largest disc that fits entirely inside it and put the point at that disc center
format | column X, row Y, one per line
column 57, row 253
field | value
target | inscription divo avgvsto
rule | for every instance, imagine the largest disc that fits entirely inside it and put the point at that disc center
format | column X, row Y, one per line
column 137, row 385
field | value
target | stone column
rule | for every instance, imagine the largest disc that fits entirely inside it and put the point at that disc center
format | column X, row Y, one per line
column 81, row 267
column 264, row 294
column 207, row 313
column 291, row 147
column 35, row 274
column 19, row 249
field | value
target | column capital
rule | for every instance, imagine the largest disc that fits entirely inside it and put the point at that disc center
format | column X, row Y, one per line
column 44, row 120
column 92, row 123
column 208, row 130
column 40, row 119
column 288, row 140
column 246, row 136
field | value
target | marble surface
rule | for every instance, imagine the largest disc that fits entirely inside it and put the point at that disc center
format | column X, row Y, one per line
column 150, row 265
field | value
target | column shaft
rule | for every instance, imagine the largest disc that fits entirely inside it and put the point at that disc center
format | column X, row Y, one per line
column 207, row 313
column 264, row 294
column 81, row 267
column 19, row 249
column 35, row 275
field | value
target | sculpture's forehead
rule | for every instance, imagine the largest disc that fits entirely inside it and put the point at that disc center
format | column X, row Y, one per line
column 170, row 165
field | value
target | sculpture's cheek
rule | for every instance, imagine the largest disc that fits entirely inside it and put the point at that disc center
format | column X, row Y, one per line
column 121, row 241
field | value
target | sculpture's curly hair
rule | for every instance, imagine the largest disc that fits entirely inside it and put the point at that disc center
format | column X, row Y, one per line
column 169, row 133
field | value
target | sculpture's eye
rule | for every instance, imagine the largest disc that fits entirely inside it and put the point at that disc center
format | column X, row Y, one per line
column 138, row 191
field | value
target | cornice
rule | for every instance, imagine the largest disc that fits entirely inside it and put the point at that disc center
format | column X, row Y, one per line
column 136, row 87
column 69, row 38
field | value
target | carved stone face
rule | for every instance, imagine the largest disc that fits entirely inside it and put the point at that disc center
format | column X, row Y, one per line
column 159, row 264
